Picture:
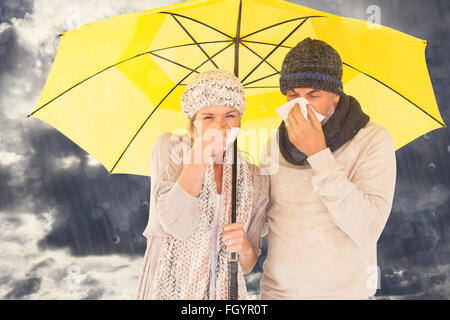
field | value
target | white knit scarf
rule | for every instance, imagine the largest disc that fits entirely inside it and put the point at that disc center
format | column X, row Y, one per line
column 183, row 271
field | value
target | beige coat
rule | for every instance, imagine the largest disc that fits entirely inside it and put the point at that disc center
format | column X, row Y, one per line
column 325, row 219
column 174, row 211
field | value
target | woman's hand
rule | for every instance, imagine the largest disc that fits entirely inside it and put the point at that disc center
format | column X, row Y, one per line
column 236, row 240
column 210, row 143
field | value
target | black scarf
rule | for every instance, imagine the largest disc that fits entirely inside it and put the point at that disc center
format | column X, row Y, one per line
column 347, row 119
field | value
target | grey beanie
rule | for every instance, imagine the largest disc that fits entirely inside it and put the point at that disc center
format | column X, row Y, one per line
column 312, row 64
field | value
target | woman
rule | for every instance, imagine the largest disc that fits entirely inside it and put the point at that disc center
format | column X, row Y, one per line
column 189, row 234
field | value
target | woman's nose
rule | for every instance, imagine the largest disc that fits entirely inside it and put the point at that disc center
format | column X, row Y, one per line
column 221, row 122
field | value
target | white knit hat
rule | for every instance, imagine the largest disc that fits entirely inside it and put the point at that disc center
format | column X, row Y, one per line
column 213, row 88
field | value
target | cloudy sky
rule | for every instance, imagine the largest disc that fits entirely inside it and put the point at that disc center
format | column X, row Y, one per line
column 69, row 230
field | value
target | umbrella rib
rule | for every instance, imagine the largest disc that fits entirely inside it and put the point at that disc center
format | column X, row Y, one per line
column 384, row 84
column 236, row 41
column 270, row 44
column 279, row 23
column 84, row 80
column 195, row 20
column 162, row 100
column 442, row 124
column 262, row 59
column 140, row 54
column 264, row 87
column 262, row 78
column 173, row 14
column 190, row 44
column 195, row 41
column 174, row 62
column 274, row 49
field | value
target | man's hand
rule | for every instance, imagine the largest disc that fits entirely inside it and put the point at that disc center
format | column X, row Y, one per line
column 306, row 137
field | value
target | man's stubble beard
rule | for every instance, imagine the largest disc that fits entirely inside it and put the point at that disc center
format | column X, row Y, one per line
column 331, row 109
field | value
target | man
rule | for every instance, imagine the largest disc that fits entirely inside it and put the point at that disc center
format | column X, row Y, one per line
column 332, row 193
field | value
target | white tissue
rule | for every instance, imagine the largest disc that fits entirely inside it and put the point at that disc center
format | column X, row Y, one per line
column 283, row 111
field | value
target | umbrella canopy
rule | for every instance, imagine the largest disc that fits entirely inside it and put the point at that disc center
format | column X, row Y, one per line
column 115, row 84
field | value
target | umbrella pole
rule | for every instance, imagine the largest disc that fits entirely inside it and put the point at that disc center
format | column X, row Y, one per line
column 233, row 265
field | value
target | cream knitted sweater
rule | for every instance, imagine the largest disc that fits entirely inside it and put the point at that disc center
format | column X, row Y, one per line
column 324, row 219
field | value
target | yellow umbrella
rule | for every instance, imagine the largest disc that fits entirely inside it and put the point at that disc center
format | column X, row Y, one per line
column 115, row 84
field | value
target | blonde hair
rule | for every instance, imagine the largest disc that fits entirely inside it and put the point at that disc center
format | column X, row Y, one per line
column 190, row 129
